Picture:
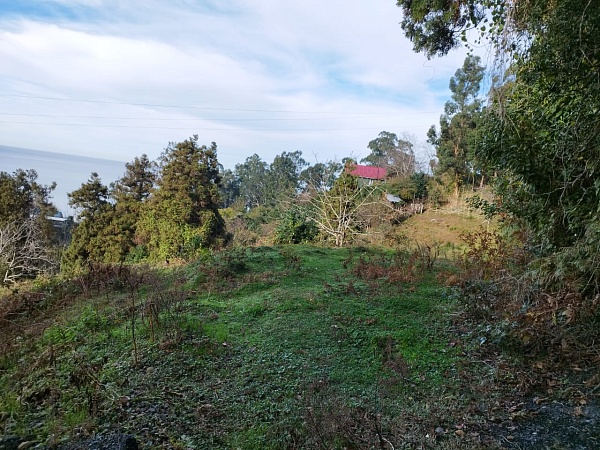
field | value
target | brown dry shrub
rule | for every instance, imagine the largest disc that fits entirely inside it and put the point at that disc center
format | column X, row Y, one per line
column 377, row 269
column 508, row 300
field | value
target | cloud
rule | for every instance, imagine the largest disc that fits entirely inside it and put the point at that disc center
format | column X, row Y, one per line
column 256, row 76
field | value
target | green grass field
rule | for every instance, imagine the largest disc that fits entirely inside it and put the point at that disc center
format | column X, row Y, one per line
column 266, row 348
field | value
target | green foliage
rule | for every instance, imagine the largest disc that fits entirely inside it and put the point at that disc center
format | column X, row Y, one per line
column 541, row 136
column 154, row 211
column 295, row 227
column 489, row 209
column 262, row 184
column 320, row 176
column 394, row 154
column 21, row 196
column 436, row 27
column 456, row 141
column 414, row 187
column 130, row 193
column 229, row 188
column 253, row 181
column 91, row 237
column 182, row 218
column 284, row 174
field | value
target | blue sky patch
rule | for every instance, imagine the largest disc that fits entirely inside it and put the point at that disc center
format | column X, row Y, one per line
column 43, row 10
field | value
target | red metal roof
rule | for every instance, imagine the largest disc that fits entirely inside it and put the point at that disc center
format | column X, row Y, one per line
column 368, row 172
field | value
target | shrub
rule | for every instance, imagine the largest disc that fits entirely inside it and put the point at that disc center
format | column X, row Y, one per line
column 295, row 227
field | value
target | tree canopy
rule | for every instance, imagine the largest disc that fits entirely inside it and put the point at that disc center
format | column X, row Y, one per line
column 540, row 130
column 182, row 216
column 456, row 139
column 394, row 154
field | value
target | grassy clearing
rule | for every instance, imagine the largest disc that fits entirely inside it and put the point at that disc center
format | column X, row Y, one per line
column 270, row 348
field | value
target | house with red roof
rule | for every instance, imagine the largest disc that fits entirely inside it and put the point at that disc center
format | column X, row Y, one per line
column 369, row 174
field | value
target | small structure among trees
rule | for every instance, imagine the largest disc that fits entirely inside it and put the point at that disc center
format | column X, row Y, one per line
column 367, row 174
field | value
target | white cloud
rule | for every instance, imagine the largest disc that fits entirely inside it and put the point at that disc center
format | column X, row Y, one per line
column 317, row 70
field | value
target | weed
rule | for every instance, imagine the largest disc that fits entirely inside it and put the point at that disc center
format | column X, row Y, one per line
column 291, row 259
column 226, row 365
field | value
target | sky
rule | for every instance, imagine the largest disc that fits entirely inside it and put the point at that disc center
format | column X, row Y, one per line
column 116, row 79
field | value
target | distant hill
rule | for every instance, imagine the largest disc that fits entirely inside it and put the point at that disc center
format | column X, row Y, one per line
column 69, row 171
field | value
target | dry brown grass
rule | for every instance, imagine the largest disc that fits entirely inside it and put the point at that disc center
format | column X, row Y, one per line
column 443, row 226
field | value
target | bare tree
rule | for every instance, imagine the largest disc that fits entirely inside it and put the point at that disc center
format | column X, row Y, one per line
column 24, row 251
column 336, row 210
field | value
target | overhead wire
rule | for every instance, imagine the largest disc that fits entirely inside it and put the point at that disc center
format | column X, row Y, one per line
column 345, row 115
column 208, row 108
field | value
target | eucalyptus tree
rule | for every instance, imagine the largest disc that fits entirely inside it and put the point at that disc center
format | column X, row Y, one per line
column 284, row 175
column 252, row 175
column 394, row 154
column 229, row 188
column 456, row 140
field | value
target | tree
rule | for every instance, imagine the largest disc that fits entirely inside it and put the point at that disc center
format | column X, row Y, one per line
column 229, row 189
column 129, row 193
column 541, row 134
column 409, row 189
column 182, row 216
column 90, row 238
column 321, row 176
column 26, row 236
column 284, row 176
column 21, row 196
column 540, row 131
column 295, row 227
column 253, row 181
column 24, row 250
column 336, row 211
column 455, row 143
column 137, row 182
column 394, row 154
column 91, row 198
column 436, row 27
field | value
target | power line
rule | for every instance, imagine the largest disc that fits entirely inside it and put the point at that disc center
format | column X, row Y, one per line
column 157, row 105
column 198, row 129
column 262, row 119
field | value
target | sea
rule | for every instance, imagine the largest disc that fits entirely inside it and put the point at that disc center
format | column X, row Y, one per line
column 68, row 171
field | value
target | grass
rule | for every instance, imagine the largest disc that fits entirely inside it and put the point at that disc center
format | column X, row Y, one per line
column 270, row 348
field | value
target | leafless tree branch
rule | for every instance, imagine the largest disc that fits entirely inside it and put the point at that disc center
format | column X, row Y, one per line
column 24, row 251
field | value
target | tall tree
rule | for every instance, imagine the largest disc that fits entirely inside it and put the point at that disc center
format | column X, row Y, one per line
column 88, row 241
column 137, row 182
column 21, row 196
column 541, row 128
column 437, row 26
column 320, row 176
column 253, row 179
column 284, row 175
column 394, row 154
column 182, row 217
column 130, row 193
column 229, row 188
column 455, row 143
